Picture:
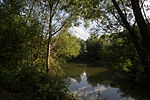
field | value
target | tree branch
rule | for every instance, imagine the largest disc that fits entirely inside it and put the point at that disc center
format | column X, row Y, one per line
column 64, row 23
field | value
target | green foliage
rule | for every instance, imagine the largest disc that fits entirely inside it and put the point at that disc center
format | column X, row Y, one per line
column 56, row 67
column 32, row 84
column 22, row 58
column 93, row 47
column 67, row 46
column 21, row 40
column 114, row 51
column 11, row 32
column 86, row 8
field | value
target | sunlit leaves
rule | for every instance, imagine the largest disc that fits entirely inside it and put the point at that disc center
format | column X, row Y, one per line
column 67, row 46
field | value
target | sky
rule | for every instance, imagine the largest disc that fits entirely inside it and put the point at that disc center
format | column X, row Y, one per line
column 84, row 33
column 80, row 32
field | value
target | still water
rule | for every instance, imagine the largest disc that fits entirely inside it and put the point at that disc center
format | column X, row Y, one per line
column 86, row 91
column 95, row 84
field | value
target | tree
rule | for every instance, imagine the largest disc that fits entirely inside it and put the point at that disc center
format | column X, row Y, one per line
column 54, row 18
column 21, row 37
column 122, row 14
column 67, row 46
column 136, row 40
column 93, row 47
column 142, row 25
column 22, row 47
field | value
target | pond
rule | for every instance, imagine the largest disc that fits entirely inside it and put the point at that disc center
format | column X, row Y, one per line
column 94, row 83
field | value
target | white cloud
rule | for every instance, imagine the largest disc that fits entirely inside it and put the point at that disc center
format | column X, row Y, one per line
column 79, row 32
column 147, row 11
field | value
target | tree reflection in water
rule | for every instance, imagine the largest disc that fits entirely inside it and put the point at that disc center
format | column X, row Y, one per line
column 87, row 91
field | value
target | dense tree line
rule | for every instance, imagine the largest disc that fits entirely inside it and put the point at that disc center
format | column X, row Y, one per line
column 115, row 52
column 114, row 17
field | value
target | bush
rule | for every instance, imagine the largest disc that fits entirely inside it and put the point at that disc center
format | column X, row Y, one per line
column 30, row 84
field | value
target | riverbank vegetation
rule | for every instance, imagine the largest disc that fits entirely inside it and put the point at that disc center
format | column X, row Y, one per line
column 23, row 71
column 36, row 40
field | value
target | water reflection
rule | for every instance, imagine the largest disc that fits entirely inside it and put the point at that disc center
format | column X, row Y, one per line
column 86, row 91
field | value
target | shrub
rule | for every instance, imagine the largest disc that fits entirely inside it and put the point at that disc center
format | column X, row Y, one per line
column 32, row 84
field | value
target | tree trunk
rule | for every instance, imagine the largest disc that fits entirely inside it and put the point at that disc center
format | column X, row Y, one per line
column 139, row 48
column 48, row 57
column 143, row 26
